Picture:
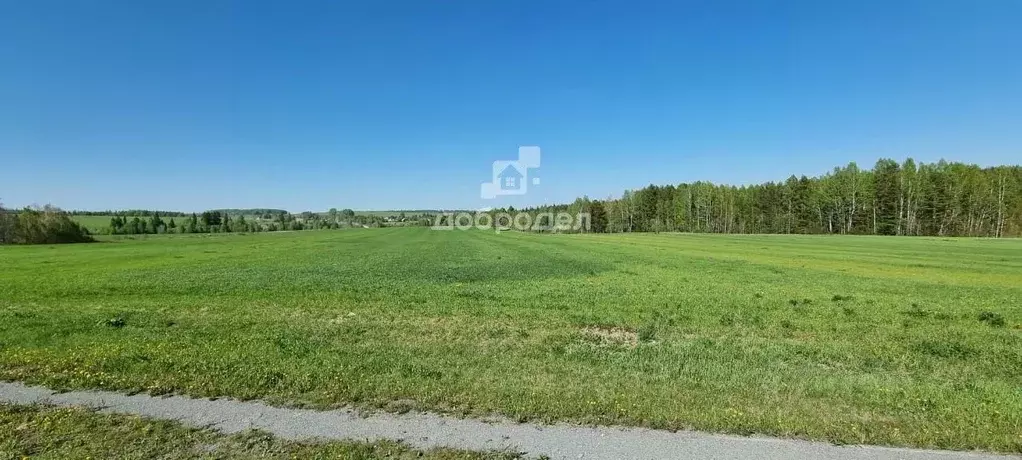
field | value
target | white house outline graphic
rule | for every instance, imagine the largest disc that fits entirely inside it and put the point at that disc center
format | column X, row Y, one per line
column 511, row 177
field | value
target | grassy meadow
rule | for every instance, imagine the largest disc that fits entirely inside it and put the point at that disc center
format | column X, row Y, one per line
column 879, row 340
column 95, row 223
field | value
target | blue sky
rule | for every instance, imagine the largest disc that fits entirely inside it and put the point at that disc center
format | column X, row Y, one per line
column 189, row 105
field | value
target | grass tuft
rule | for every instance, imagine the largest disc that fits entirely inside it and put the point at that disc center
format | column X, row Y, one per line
column 647, row 333
column 917, row 312
column 946, row 349
column 116, row 323
column 991, row 318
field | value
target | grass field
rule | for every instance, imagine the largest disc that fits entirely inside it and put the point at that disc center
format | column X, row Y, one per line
column 48, row 432
column 880, row 340
column 96, row 223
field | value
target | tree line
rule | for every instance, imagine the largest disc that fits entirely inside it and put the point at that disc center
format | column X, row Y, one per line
column 151, row 212
column 223, row 221
column 128, row 212
column 935, row 199
column 209, row 222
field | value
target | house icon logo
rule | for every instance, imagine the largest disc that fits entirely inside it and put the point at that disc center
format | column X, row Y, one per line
column 512, row 177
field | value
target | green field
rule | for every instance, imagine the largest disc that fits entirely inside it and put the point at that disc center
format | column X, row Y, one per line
column 879, row 340
column 96, row 223
column 99, row 224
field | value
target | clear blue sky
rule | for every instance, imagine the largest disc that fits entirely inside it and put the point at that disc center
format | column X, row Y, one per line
column 308, row 105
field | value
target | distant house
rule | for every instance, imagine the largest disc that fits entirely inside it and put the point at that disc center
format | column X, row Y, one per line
column 510, row 178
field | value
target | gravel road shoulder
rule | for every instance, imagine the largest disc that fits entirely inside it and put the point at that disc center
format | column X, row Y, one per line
column 425, row 431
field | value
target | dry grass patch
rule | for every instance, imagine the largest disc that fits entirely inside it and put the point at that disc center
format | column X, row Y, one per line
column 612, row 336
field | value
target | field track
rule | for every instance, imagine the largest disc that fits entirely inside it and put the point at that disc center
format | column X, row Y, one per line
column 429, row 431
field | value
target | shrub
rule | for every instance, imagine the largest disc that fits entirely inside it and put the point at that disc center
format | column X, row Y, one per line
column 47, row 225
column 7, row 224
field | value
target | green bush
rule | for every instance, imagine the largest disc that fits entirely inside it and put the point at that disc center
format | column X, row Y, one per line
column 7, row 224
column 47, row 225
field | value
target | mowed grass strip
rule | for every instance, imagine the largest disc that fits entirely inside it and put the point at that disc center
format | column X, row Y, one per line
column 61, row 433
column 878, row 340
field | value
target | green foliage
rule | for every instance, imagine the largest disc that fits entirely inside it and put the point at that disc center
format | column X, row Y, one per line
column 212, row 219
column 8, row 226
column 248, row 211
column 128, row 213
column 940, row 199
column 47, row 225
column 212, row 222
